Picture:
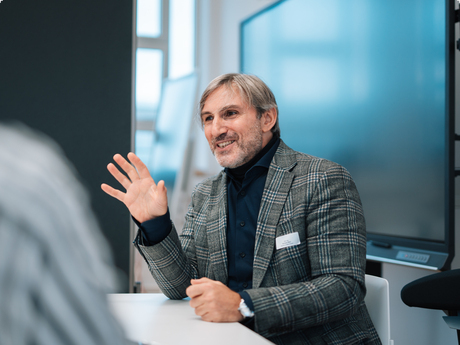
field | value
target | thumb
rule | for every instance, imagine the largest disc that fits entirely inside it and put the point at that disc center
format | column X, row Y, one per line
column 161, row 186
column 159, row 190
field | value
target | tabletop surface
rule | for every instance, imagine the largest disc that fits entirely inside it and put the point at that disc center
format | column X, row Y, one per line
column 155, row 319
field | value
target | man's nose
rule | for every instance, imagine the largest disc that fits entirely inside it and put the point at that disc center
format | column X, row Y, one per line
column 218, row 126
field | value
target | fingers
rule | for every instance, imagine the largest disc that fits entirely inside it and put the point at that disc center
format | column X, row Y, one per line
column 135, row 171
column 196, row 302
column 113, row 192
column 200, row 281
column 122, row 179
column 197, row 288
column 194, row 291
column 127, row 168
column 142, row 169
column 214, row 301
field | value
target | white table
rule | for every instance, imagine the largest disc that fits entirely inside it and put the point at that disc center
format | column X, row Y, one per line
column 155, row 319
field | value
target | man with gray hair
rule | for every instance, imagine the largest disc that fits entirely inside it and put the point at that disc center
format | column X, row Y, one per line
column 276, row 240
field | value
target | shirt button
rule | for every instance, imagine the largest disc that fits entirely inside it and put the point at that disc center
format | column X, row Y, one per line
column 242, row 254
column 245, row 285
column 242, row 223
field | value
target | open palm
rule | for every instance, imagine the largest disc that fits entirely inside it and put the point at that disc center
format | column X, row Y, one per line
column 143, row 197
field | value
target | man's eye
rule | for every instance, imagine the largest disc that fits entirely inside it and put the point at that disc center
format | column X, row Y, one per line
column 231, row 112
column 208, row 118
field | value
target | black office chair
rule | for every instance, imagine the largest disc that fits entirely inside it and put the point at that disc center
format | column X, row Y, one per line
column 440, row 291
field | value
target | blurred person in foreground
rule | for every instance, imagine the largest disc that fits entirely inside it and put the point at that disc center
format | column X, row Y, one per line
column 276, row 240
column 55, row 267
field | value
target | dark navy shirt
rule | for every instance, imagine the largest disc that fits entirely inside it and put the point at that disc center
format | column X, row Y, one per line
column 245, row 186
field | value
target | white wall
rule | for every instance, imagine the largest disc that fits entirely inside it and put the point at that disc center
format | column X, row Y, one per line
column 218, row 53
column 219, row 44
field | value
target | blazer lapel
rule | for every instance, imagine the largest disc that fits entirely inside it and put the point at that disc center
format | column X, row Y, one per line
column 277, row 186
column 217, row 229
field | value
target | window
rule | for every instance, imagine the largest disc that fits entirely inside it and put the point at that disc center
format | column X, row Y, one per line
column 165, row 48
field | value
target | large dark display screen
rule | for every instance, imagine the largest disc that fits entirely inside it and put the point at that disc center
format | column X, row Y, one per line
column 365, row 84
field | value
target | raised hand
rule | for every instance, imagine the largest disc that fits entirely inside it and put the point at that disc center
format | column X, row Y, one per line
column 144, row 199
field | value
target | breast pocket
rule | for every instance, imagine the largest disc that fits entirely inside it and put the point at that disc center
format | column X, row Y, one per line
column 291, row 262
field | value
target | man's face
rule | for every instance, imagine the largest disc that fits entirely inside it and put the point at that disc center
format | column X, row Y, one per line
column 231, row 126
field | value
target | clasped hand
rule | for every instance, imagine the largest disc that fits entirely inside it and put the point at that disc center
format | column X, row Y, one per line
column 143, row 197
column 214, row 301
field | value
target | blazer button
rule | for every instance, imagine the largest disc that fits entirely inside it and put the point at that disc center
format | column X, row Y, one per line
column 243, row 193
column 242, row 254
column 245, row 285
column 242, row 223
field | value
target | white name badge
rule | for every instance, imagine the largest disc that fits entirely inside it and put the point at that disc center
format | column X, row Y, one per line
column 287, row 240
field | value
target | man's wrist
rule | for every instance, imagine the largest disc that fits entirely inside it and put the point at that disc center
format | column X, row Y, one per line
column 244, row 310
column 155, row 230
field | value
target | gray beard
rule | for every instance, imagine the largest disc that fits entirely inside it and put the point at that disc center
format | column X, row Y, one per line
column 247, row 152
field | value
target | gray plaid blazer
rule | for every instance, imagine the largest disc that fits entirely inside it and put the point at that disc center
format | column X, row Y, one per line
column 311, row 293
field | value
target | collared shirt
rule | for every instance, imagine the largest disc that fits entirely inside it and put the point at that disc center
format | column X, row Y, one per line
column 244, row 195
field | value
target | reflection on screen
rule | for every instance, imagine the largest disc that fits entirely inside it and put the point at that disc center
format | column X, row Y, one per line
column 362, row 83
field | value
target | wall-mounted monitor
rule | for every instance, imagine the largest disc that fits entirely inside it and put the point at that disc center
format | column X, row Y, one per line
column 370, row 85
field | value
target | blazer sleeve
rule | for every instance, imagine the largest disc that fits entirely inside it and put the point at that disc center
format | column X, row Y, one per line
column 333, row 287
column 171, row 263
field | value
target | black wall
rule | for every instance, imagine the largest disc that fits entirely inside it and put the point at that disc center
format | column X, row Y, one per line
column 65, row 69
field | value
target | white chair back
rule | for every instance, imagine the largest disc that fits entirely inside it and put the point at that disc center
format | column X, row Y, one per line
column 378, row 304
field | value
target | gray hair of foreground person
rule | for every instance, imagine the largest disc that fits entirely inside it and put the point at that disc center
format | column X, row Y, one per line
column 55, row 268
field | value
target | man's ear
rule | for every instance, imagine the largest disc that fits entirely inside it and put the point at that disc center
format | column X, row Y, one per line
column 269, row 120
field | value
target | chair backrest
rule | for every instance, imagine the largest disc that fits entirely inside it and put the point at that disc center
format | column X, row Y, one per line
column 378, row 304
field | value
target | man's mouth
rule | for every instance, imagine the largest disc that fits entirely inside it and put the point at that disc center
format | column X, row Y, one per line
column 225, row 143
